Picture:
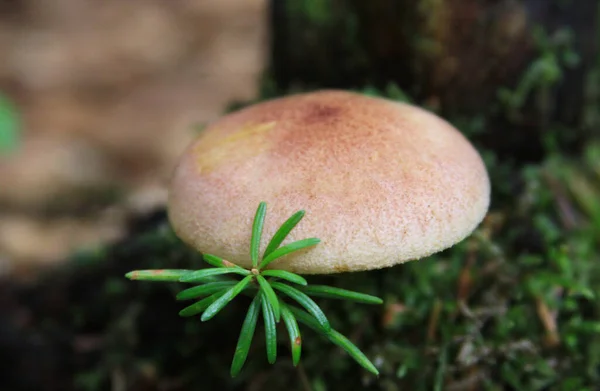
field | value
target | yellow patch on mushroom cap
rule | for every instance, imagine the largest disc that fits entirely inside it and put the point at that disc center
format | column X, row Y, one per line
column 213, row 147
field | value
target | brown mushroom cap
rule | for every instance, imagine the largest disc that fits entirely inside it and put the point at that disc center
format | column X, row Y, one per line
column 381, row 182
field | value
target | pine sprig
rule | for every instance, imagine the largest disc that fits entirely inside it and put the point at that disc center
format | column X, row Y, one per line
column 215, row 289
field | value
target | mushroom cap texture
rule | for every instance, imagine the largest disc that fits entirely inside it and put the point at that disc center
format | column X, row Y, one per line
column 381, row 182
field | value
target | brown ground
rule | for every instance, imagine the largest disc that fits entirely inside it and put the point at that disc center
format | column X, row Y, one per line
column 110, row 93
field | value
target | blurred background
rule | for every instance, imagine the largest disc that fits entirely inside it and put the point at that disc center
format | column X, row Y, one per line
column 99, row 98
column 108, row 94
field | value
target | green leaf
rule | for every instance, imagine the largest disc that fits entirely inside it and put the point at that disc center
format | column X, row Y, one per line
column 283, row 232
column 229, row 295
column 285, row 275
column 257, row 228
column 270, row 295
column 202, row 290
column 294, row 332
column 337, row 338
column 305, row 302
column 288, row 248
column 220, row 262
column 201, row 305
column 158, row 274
column 246, row 335
column 9, row 126
column 330, row 292
column 202, row 275
column 270, row 329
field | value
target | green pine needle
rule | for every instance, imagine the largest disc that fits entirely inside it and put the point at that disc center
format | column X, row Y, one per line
column 257, row 228
column 335, row 337
column 158, row 275
column 270, row 295
column 283, row 232
column 294, row 332
column 270, row 329
column 350, row 348
column 222, row 301
column 285, row 275
column 202, row 275
column 287, row 249
column 220, row 262
column 330, row 292
column 246, row 335
column 216, row 289
column 201, row 305
column 203, row 290
column 305, row 302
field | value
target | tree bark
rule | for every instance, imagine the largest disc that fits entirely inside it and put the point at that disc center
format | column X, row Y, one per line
column 525, row 63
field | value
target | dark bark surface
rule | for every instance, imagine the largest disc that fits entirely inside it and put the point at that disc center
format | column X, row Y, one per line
column 459, row 57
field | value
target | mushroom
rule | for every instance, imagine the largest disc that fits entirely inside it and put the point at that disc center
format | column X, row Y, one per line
column 382, row 182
